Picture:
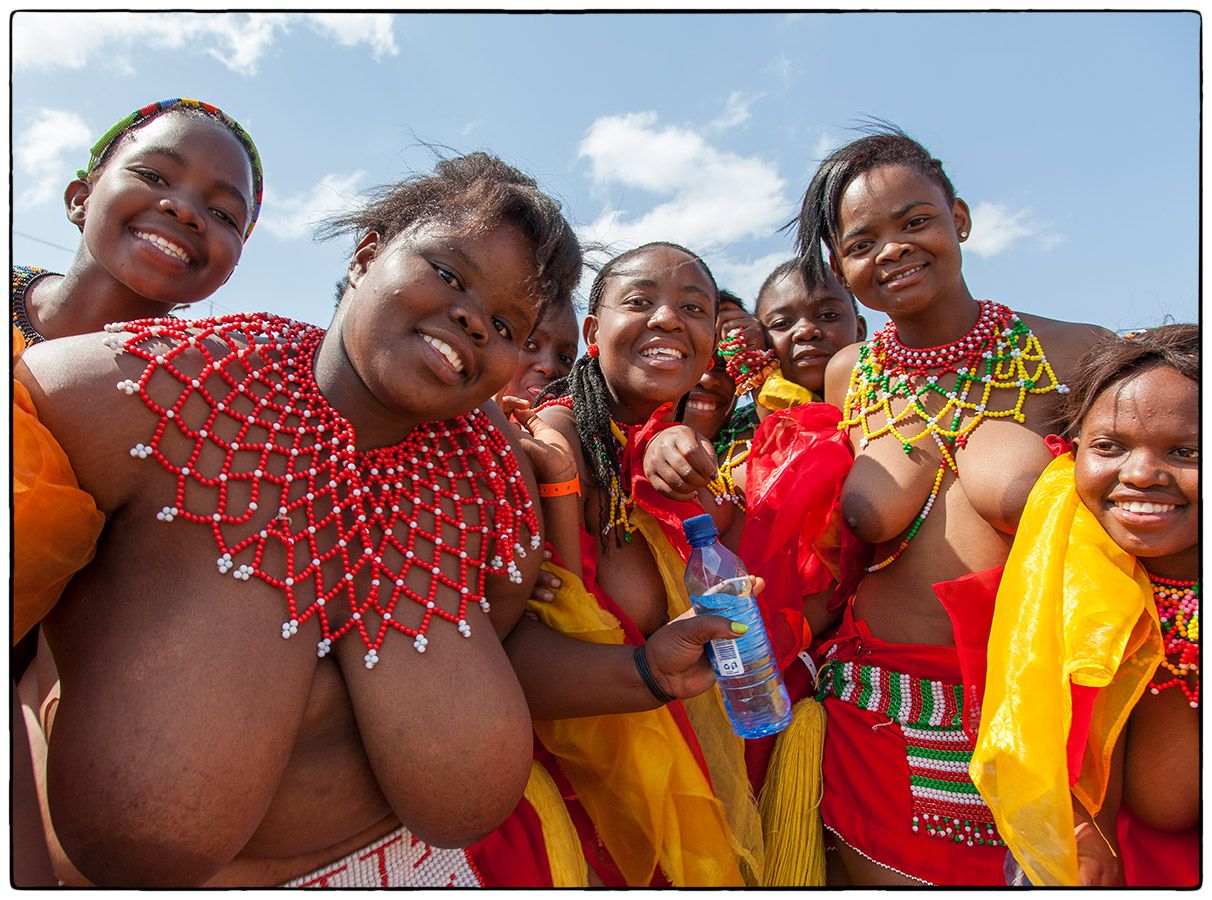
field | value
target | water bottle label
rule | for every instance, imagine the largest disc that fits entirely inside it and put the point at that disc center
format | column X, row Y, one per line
column 727, row 658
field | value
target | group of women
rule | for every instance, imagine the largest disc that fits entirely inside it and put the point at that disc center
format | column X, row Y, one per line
column 972, row 514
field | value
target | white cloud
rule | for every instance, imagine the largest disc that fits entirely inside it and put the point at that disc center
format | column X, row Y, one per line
column 784, row 68
column 351, row 29
column 736, row 110
column 47, row 149
column 46, row 41
column 744, row 278
column 995, row 227
column 296, row 216
column 711, row 197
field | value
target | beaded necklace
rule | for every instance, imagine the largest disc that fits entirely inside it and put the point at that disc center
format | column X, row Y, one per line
column 1178, row 609
column 341, row 513
column 747, row 368
column 999, row 353
column 22, row 278
column 732, row 446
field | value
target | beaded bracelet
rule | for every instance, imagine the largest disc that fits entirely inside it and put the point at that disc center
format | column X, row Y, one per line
column 561, row 489
column 641, row 664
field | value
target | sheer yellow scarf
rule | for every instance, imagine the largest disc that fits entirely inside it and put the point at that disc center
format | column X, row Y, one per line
column 1072, row 607
column 635, row 774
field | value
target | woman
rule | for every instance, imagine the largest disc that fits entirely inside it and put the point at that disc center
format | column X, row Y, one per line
column 948, row 442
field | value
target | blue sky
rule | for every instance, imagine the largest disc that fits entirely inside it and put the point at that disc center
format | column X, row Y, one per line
column 1073, row 136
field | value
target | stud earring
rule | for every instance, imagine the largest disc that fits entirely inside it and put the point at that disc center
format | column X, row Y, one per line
column 592, row 351
column 963, row 235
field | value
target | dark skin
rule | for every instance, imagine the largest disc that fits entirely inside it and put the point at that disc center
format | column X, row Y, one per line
column 162, row 223
column 898, row 252
column 156, row 705
column 658, row 299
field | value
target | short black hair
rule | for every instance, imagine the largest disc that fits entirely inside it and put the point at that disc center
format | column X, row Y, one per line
column 473, row 192
column 730, row 297
column 788, row 267
column 884, row 144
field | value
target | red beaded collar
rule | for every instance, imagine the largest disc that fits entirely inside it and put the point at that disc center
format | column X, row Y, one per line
column 341, row 513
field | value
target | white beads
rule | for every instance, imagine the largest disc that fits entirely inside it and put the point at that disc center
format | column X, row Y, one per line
column 464, row 628
column 224, row 563
column 142, row 451
column 243, row 573
column 168, row 514
column 420, row 643
column 127, row 386
column 484, row 604
column 289, row 628
column 324, row 647
column 371, row 658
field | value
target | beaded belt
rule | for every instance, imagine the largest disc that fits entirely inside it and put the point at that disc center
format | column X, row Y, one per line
column 945, row 801
column 398, row 859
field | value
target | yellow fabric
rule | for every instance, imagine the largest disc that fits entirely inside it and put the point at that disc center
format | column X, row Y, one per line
column 637, row 778
column 779, row 393
column 55, row 524
column 723, row 749
column 791, row 799
column 564, row 855
column 1072, row 606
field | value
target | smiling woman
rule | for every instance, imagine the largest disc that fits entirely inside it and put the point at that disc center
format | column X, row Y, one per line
column 353, row 489
column 168, row 198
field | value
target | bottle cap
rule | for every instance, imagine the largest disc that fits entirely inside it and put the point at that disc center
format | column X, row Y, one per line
column 700, row 530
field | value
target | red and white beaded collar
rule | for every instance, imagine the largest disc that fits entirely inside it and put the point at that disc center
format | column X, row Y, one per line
column 341, row 513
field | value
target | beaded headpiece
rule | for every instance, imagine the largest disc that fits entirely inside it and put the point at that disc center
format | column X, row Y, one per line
column 145, row 114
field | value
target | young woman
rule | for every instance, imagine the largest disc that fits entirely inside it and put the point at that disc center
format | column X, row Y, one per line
column 276, row 669
column 1112, row 549
column 169, row 196
column 946, row 408
column 660, row 791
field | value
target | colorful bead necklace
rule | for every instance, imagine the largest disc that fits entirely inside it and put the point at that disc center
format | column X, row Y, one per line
column 22, row 278
column 747, row 368
column 341, row 513
column 732, row 446
column 1178, row 609
column 999, row 354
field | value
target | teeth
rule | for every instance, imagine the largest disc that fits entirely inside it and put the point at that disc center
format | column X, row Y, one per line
column 899, row 275
column 702, row 405
column 664, row 352
column 167, row 246
column 1139, row 506
column 446, row 350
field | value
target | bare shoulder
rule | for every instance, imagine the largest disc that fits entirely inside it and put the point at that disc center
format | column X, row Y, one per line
column 73, row 383
column 1064, row 342
column 837, row 373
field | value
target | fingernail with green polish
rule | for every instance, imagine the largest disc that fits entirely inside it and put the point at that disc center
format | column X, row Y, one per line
column 739, row 627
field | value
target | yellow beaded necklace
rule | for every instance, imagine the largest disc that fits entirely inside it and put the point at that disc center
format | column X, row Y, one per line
column 999, row 353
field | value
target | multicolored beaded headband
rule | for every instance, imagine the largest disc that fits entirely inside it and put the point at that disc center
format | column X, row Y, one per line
column 152, row 110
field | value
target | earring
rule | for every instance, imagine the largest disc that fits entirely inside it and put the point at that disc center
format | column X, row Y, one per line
column 592, row 351
column 963, row 235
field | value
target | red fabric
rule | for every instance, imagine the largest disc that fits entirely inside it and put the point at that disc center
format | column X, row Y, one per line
column 1082, row 699
column 969, row 603
column 793, row 538
column 1158, row 859
column 866, row 799
column 669, row 513
column 515, row 855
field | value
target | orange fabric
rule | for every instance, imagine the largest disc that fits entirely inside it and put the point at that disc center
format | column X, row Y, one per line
column 55, row 524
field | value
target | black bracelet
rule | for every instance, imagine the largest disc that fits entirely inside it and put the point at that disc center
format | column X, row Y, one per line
column 641, row 664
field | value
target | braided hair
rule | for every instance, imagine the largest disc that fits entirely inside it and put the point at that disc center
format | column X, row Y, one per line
column 591, row 399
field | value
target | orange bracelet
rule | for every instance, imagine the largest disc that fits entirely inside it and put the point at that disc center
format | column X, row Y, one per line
column 572, row 486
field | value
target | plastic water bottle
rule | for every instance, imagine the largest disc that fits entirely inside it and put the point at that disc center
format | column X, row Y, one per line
column 745, row 669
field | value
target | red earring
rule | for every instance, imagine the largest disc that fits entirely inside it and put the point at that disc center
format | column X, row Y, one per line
column 592, row 351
